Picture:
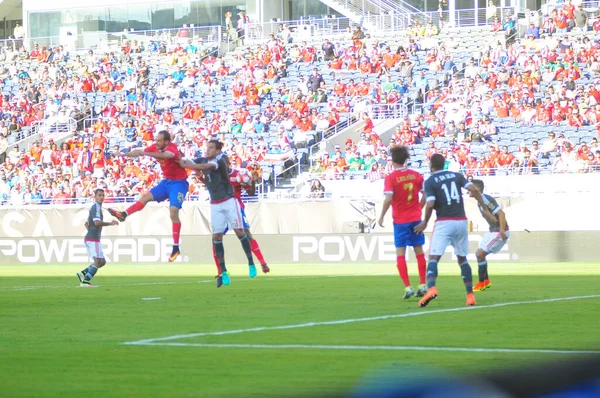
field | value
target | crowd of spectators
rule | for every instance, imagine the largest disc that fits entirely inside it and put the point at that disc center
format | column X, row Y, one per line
column 540, row 81
column 545, row 78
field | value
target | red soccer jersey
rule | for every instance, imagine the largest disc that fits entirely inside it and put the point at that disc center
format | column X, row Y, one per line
column 237, row 187
column 170, row 167
column 404, row 185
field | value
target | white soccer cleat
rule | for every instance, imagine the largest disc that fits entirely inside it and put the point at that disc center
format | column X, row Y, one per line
column 83, row 284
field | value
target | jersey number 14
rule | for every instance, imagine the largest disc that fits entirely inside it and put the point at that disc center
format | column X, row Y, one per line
column 452, row 193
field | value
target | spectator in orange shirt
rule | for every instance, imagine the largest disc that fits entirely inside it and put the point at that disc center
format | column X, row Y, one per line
column 505, row 161
column 61, row 198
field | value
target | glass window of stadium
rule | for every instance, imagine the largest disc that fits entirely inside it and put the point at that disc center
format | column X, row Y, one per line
column 167, row 15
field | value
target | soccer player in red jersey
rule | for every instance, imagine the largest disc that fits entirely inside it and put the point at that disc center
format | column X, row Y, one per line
column 174, row 185
column 237, row 194
column 402, row 188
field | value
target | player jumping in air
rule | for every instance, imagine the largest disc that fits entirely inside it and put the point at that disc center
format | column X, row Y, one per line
column 224, row 208
column 402, row 188
column 237, row 193
column 94, row 226
column 443, row 193
column 174, row 185
column 493, row 240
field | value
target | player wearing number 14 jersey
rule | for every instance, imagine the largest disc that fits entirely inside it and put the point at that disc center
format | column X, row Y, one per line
column 443, row 193
column 402, row 188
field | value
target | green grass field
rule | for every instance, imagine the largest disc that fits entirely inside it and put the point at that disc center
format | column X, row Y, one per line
column 274, row 335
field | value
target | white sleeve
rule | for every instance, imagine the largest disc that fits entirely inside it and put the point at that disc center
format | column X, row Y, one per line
column 97, row 213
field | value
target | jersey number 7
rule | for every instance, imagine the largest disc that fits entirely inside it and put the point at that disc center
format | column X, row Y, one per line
column 409, row 187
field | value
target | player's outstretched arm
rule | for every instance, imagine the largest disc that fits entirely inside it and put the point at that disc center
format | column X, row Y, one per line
column 188, row 164
column 134, row 153
column 160, row 155
column 106, row 224
column 387, row 202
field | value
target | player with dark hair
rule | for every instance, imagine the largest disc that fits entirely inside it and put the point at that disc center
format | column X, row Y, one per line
column 224, row 209
column 94, row 224
column 237, row 193
column 174, row 185
column 443, row 193
column 492, row 241
column 402, row 188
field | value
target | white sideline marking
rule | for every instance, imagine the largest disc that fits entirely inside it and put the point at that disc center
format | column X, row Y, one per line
column 150, row 298
column 235, row 280
column 374, row 348
column 352, row 320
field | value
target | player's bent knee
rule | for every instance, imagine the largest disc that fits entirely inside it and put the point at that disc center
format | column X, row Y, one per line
column 147, row 197
column 480, row 254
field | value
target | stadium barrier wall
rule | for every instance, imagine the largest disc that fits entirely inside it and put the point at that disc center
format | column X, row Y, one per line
column 537, row 212
column 344, row 250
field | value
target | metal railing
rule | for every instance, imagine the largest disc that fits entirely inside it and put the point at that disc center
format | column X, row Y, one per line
column 103, row 39
column 396, row 110
column 301, row 29
column 304, row 154
column 326, row 135
column 464, row 18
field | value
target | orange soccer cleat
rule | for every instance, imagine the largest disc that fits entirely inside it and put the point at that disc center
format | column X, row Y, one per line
column 470, row 300
column 479, row 287
column 430, row 295
column 487, row 283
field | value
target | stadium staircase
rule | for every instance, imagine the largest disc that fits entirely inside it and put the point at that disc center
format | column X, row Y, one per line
column 377, row 14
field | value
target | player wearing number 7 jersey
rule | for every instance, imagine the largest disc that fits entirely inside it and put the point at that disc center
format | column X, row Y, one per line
column 402, row 188
column 443, row 193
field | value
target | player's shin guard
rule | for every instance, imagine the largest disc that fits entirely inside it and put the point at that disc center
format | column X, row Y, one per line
column 422, row 265
column 432, row 273
column 247, row 249
column 137, row 206
column 467, row 276
column 257, row 252
column 403, row 270
column 483, row 274
column 176, row 233
column 219, row 251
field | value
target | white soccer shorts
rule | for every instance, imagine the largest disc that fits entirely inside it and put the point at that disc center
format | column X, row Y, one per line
column 226, row 214
column 94, row 249
column 492, row 243
column 449, row 232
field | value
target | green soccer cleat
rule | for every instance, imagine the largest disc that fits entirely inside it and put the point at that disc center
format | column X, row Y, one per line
column 421, row 291
column 408, row 292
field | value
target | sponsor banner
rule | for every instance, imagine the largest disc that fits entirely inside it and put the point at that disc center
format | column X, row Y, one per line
column 344, row 249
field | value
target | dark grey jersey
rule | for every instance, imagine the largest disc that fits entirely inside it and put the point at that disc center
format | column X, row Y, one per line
column 95, row 214
column 217, row 180
column 445, row 187
column 494, row 208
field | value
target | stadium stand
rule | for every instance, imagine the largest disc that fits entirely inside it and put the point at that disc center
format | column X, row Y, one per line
column 493, row 101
